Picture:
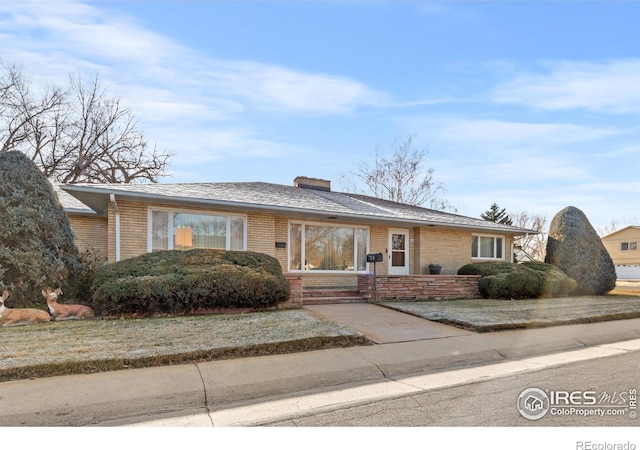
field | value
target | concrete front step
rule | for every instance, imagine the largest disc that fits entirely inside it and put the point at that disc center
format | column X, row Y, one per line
column 331, row 300
column 325, row 292
column 328, row 295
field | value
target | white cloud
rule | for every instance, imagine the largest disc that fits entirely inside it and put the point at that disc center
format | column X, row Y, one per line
column 201, row 108
column 278, row 88
column 500, row 135
column 72, row 29
column 611, row 87
column 82, row 37
column 216, row 144
column 628, row 150
column 525, row 167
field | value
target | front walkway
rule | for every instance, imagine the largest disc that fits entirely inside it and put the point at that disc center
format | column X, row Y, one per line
column 383, row 325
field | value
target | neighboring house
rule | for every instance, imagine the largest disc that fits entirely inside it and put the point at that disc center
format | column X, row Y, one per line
column 624, row 249
column 320, row 237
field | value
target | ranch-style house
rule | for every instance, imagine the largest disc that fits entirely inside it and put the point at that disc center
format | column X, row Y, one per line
column 324, row 240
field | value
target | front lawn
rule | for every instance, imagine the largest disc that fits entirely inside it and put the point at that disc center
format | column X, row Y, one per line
column 485, row 315
column 61, row 348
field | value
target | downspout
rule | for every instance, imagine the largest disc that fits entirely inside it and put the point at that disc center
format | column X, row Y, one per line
column 112, row 198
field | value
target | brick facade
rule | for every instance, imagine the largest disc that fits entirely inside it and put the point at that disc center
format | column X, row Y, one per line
column 448, row 247
column 295, row 283
column 133, row 229
column 90, row 232
column 261, row 233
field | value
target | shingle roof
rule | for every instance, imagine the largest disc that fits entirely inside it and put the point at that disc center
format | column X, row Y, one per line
column 70, row 203
column 634, row 227
column 290, row 200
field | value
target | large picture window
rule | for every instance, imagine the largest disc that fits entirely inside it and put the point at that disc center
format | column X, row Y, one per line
column 317, row 247
column 177, row 230
column 487, row 247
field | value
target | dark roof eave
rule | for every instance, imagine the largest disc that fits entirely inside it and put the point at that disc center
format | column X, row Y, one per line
column 81, row 212
column 104, row 194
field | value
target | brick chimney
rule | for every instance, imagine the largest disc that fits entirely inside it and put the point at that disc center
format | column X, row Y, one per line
column 312, row 183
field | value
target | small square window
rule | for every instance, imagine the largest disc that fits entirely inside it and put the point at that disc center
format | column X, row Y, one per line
column 629, row 246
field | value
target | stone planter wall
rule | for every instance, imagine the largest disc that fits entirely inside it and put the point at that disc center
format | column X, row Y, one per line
column 409, row 287
column 419, row 287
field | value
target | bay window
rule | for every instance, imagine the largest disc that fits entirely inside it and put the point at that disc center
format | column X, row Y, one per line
column 179, row 230
column 318, row 247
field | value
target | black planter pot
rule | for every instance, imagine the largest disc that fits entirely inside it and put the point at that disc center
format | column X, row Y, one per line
column 434, row 269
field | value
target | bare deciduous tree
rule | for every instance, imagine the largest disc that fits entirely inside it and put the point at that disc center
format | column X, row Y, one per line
column 617, row 224
column 399, row 177
column 23, row 116
column 532, row 246
column 77, row 135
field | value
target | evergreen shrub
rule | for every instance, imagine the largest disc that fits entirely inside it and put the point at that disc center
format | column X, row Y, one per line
column 555, row 283
column 37, row 247
column 504, row 280
column 183, row 282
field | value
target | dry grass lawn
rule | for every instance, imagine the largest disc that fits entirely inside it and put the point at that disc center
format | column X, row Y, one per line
column 59, row 348
column 85, row 346
column 484, row 315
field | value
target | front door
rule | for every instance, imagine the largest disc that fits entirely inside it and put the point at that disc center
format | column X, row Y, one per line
column 398, row 252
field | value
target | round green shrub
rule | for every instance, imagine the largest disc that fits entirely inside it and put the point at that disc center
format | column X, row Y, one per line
column 486, row 268
column 517, row 284
column 515, row 281
column 555, row 283
column 179, row 282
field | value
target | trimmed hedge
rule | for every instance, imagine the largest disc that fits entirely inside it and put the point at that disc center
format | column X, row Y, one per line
column 516, row 281
column 555, row 283
column 183, row 282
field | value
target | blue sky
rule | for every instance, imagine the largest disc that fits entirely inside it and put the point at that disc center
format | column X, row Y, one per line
column 531, row 105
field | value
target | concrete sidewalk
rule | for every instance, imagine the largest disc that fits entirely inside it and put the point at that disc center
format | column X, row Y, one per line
column 131, row 395
column 383, row 325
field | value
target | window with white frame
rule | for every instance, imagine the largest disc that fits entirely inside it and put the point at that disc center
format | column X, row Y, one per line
column 629, row 246
column 319, row 247
column 487, row 247
column 185, row 230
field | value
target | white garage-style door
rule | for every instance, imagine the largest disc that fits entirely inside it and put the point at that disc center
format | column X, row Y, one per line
column 628, row 272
